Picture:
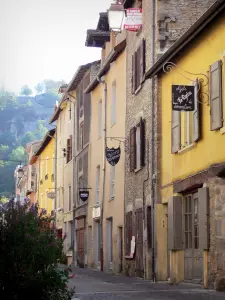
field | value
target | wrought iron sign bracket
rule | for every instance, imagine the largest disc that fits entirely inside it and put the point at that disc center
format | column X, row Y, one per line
column 123, row 140
column 203, row 80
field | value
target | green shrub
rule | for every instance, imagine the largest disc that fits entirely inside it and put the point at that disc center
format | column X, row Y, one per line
column 29, row 253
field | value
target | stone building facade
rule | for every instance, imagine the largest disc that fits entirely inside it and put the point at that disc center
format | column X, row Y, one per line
column 168, row 19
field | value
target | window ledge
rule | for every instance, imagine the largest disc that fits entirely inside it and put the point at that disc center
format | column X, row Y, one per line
column 111, row 198
column 138, row 89
column 187, row 148
column 137, row 170
column 222, row 130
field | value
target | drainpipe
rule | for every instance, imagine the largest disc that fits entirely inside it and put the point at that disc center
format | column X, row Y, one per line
column 56, row 144
column 104, row 171
column 152, row 141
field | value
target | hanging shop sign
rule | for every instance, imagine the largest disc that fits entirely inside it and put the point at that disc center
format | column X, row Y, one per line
column 84, row 195
column 113, row 155
column 51, row 195
column 133, row 21
column 183, row 97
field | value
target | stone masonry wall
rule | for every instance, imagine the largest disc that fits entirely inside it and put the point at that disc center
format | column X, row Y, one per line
column 174, row 17
column 216, row 262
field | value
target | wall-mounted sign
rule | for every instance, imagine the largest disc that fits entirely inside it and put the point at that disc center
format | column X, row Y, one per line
column 183, row 97
column 84, row 195
column 112, row 155
column 133, row 21
column 51, row 195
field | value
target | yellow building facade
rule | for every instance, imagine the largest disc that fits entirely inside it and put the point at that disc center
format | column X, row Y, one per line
column 190, row 216
column 106, row 201
column 44, row 159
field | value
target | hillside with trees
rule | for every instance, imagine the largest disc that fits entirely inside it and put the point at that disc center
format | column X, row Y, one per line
column 24, row 119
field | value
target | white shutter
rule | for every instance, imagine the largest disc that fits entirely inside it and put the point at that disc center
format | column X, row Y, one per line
column 176, row 132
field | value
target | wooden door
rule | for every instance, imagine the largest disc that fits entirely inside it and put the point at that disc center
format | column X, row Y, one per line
column 139, row 266
column 193, row 256
column 80, row 247
column 120, row 249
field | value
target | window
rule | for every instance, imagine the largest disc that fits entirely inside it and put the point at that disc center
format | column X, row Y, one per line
column 58, row 199
column 99, row 119
column 137, row 146
column 70, row 198
column 186, row 126
column 69, row 150
column 70, row 112
column 112, row 182
column 191, row 221
column 113, row 104
column 46, row 165
column 97, row 185
column 138, row 67
column 216, row 95
column 81, row 136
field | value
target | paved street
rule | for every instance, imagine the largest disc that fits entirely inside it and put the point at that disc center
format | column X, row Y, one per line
column 93, row 285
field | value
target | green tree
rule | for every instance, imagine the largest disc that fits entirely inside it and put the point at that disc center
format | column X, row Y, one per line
column 30, row 251
column 26, row 91
column 18, row 154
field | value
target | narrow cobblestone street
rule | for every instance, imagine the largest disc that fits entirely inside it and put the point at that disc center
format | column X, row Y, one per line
column 91, row 285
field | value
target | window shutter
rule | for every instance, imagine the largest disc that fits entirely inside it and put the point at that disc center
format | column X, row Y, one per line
column 203, row 198
column 68, row 151
column 176, row 140
column 175, row 232
column 196, row 114
column 216, row 95
column 132, row 149
column 71, row 149
column 128, row 231
column 134, row 67
column 142, row 61
column 142, row 142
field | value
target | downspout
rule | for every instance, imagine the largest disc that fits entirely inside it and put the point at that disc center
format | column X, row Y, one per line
column 152, row 146
column 104, row 171
column 56, row 144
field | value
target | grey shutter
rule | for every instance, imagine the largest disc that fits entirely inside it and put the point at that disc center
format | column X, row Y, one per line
column 176, row 139
column 142, row 142
column 134, row 67
column 142, row 61
column 133, row 149
column 203, row 198
column 175, row 232
column 216, row 95
column 196, row 114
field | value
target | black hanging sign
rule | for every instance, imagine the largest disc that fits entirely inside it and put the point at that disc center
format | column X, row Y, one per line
column 112, row 155
column 84, row 195
column 183, row 97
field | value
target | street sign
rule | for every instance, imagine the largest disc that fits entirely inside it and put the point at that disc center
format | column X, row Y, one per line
column 51, row 195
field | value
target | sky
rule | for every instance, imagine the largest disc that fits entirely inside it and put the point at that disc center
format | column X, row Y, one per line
column 45, row 39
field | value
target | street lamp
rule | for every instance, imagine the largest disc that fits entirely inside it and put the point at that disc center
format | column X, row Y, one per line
column 20, row 173
column 116, row 14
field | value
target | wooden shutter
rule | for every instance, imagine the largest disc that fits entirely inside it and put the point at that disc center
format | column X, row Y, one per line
column 68, row 151
column 134, row 67
column 128, row 232
column 142, row 143
column 196, row 114
column 71, row 148
column 142, row 61
column 203, row 198
column 216, row 95
column 133, row 149
column 175, row 232
column 176, row 139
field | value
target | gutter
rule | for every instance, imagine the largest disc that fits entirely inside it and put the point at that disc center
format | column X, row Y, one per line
column 187, row 37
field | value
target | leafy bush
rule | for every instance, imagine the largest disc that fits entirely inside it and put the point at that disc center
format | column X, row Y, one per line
column 29, row 253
